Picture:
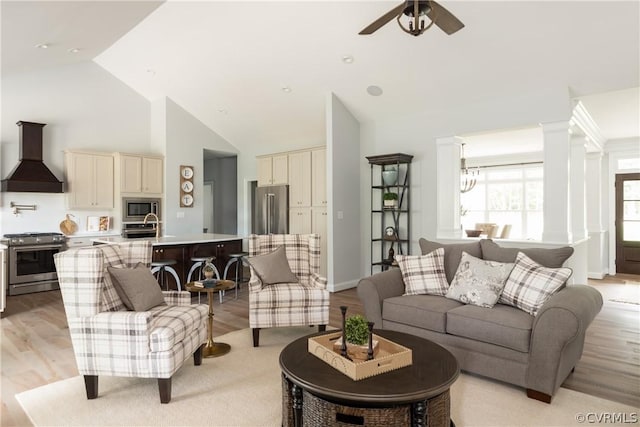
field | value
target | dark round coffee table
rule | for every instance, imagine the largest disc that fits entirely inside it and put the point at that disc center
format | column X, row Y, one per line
column 314, row 393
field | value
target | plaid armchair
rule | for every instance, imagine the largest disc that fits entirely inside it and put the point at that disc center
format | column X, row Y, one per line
column 109, row 340
column 289, row 304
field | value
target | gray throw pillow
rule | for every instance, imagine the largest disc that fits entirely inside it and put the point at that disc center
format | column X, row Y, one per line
column 452, row 254
column 137, row 288
column 273, row 267
column 547, row 257
column 478, row 281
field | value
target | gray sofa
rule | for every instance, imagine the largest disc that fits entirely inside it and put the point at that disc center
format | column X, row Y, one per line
column 503, row 342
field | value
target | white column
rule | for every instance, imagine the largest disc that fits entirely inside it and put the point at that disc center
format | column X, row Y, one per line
column 556, row 182
column 597, row 263
column 448, row 186
column 577, row 188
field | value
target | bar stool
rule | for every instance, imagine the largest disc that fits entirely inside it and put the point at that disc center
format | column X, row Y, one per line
column 159, row 270
column 198, row 263
column 239, row 260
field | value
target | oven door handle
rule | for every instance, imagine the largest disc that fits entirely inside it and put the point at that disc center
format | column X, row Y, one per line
column 35, row 247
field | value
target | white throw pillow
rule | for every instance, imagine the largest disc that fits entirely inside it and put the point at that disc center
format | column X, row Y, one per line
column 423, row 274
column 478, row 281
column 529, row 285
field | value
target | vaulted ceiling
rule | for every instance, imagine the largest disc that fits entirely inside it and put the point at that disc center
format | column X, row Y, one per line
column 228, row 62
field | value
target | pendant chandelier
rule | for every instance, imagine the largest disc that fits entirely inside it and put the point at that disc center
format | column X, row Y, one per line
column 468, row 177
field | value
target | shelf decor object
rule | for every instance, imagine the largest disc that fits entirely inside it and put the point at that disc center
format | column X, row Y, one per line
column 390, row 356
column 390, row 208
column 186, row 186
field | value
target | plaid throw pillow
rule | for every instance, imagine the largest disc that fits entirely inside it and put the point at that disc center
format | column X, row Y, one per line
column 529, row 285
column 423, row 274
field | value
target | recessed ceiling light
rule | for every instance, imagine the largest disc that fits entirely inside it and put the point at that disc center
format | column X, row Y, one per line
column 286, row 89
column 347, row 59
column 374, row 90
column 42, row 46
column 74, row 50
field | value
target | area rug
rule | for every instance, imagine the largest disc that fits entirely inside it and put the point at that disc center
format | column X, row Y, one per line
column 242, row 388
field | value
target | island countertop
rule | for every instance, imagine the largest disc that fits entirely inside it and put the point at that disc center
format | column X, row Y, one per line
column 186, row 239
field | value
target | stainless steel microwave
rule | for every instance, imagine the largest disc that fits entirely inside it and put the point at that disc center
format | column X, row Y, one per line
column 135, row 209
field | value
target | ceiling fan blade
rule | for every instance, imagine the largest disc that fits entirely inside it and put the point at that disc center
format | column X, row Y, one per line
column 444, row 19
column 375, row 25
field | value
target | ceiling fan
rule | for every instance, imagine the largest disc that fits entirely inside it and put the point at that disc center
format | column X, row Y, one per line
column 418, row 11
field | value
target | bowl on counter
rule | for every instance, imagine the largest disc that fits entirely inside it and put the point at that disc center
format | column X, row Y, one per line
column 473, row 233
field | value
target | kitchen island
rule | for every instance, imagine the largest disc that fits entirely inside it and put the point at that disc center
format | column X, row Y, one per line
column 184, row 247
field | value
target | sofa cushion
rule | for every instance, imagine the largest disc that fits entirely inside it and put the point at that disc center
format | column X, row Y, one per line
column 501, row 325
column 478, row 281
column 452, row 254
column 423, row 274
column 423, row 311
column 529, row 285
column 548, row 257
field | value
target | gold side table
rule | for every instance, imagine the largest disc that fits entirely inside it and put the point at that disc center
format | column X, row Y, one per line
column 212, row 349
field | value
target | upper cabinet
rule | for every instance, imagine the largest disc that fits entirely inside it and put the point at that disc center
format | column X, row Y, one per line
column 89, row 178
column 300, row 179
column 319, row 177
column 142, row 175
column 273, row 170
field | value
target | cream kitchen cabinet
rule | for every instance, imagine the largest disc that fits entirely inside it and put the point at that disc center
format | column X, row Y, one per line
column 300, row 221
column 140, row 175
column 300, row 179
column 273, row 170
column 89, row 178
column 319, row 226
column 319, row 177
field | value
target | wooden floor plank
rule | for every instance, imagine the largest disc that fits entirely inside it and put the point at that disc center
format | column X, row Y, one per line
column 36, row 347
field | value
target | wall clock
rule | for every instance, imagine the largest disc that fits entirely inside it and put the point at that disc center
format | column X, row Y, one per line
column 390, row 232
column 186, row 186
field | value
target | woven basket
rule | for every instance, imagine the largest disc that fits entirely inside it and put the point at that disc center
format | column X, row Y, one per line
column 319, row 412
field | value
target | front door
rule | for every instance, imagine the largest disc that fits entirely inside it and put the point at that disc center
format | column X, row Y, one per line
column 628, row 223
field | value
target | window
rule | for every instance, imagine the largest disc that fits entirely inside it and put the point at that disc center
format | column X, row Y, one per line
column 507, row 195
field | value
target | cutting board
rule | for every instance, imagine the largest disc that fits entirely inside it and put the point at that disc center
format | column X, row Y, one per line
column 68, row 226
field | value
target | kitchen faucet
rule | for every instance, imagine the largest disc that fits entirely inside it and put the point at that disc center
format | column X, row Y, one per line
column 157, row 226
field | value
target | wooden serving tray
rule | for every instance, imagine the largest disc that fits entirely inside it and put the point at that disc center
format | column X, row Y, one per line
column 390, row 356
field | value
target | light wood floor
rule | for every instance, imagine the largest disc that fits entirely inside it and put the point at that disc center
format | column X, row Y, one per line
column 36, row 347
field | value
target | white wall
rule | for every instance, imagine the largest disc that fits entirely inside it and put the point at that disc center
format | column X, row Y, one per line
column 84, row 107
column 186, row 137
column 415, row 134
column 343, row 186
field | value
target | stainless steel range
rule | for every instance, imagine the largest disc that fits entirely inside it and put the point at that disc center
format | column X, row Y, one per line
column 30, row 266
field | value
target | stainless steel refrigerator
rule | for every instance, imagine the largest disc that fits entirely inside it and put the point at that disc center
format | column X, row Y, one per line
column 271, row 210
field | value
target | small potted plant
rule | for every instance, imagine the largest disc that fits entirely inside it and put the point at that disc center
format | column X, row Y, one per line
column 390, row 200
column 356, row 330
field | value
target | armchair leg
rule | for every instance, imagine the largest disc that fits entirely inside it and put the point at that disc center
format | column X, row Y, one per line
column 91, row 386
column 164, row 386
column 322, row 328
column 197, row 356
column 256, row 336
column 537, row 395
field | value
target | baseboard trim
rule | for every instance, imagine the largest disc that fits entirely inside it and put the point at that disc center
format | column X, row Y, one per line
column 597, row 276
column 337, row 287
